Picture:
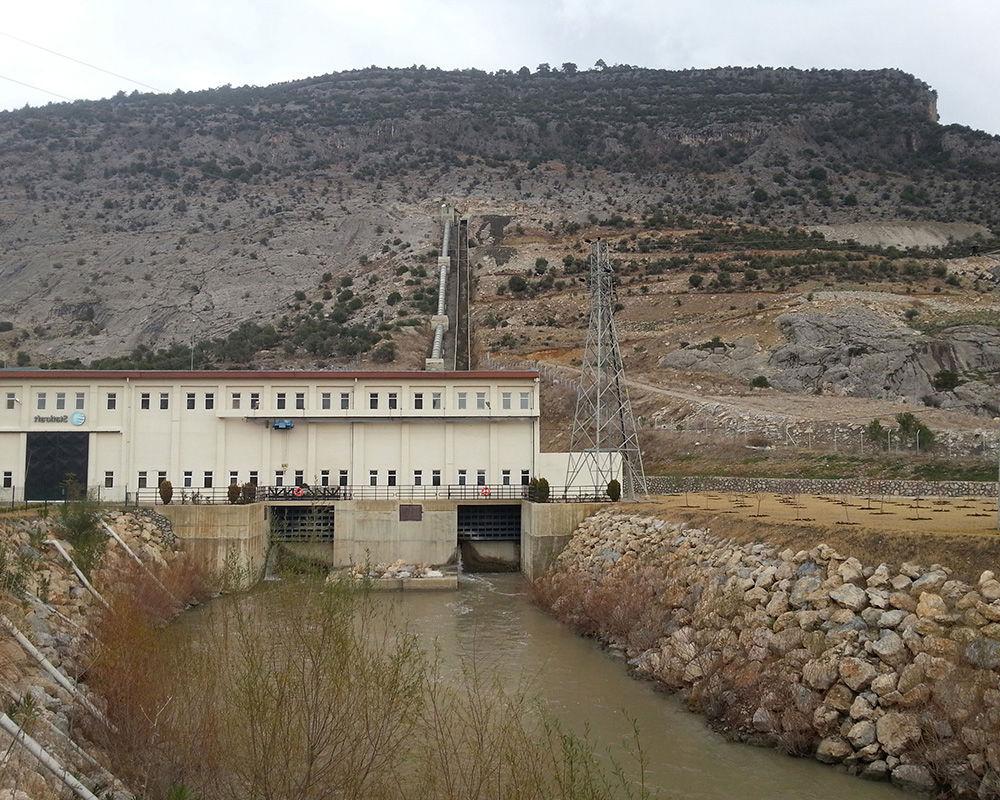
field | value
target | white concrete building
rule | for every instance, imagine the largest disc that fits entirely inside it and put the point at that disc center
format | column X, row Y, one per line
column 123, row 431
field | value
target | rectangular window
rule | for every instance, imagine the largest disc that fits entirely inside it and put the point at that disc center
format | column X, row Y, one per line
column 391, row 480
column 481, row 400
column 164, row 401
column 505, row 401
column 188, row 480
column 435, row 477
column 144, row 401
column 235, row 404
column 234, row 477
column 143, row 480
column 40, row 401
column 209, row 401
column 418, row 477
column 436, row 401
column 190, row 401
column 300, row 477
column 373, row 477
column 160, row 478
column 279, row 478
column 207, row 479
column 79, row 401
column 10, row 401
column 112, row 401
column 345, row 401
column 462, row 400
column 525, row 477
column 505, row 477
column 480, row 477
column 254, row 400
column 418, row 401
column 525, row 401
column 60, row 400
column 462, row 477
column 300, row 401
column 324, row 477
column 342, row 477
column 254, row 478
column 279, row 401
column 325, row 401
column 8, row 480
column 109, row 480
column 393, row 400
column 373, row 400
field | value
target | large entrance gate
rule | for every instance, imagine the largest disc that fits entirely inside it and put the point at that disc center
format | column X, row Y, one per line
column 486, row 523
column 53, row 459
column 299, row 523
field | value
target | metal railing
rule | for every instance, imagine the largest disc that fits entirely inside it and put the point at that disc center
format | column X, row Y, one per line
column 306, row 493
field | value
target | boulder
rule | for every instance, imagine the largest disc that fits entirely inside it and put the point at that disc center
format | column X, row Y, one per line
column 913, row 778
column 897, row 732
column 850, row 596
column 820, row 674
column 857, row 673
column 891, row 649
column 861, row 734
column 983, row 653
column 932, row 606
column 833, row 749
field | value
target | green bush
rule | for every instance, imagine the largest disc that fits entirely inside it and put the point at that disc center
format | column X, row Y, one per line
column 166, row 492
column 517, row 283
column 538, row 490
column 614, row 490
column 234, row 493
column 79, row 524
column 946, row 380
column 248, row 493
column 760, row 382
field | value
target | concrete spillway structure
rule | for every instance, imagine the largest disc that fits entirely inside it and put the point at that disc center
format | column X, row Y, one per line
column 439, row 321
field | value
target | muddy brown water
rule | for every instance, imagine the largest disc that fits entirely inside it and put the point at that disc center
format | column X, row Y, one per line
column 490, row 618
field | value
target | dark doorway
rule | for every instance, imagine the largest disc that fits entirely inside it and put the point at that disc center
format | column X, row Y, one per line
column 477, row 523
column 53, row 459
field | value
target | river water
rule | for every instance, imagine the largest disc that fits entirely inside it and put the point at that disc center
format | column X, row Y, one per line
column 491, row 619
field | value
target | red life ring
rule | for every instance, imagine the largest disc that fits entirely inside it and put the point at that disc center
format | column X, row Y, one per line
column 485, row 491
column 298, row 491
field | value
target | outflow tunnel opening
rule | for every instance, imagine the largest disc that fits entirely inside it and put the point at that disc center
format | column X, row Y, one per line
column 489, row 537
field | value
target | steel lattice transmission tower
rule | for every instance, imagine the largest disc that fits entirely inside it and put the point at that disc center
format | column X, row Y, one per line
column 604, row 426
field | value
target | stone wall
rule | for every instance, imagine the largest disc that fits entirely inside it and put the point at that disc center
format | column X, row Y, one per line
column 892, row 672
column 858, row 487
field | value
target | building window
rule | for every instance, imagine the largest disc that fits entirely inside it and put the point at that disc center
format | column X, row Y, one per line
column 209, row 401
column 279, row 401
column 418, row 401
column 373, row 400
column 109, row 480
column 393, row 400
column 481, row 400
column 300, row 401
column 342, row 478
column 505, row 401
column 525, row 401
column 234, row 477
column 188, row 480
column 11, row 399
column 164, row 401
column 112, row 401
column 505, row 477
column 143, row 480
column 391, row 480
column 418, row 477
column 345, row 401
column 60, row 400
column 462, row 477
column 300, row 477
column 463, row 400
column 207, row 480
column 144, row 401
column 279, row 477
column 436, row 401
column 160, row 478
column 480, row 477
column 254, row 400
column 373, row 477
column 235, row 401
column 325, row 401
column 324, row 477
column 435, row 477
column 40, row 401
column 8, row 480
column 79, row 401
column 525, row 477
column 254, row 478
column 190, row 401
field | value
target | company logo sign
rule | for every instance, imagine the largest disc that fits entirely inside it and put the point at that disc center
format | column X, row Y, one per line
column 76, row 418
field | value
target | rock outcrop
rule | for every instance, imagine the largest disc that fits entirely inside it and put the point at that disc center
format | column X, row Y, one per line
column 891, row 672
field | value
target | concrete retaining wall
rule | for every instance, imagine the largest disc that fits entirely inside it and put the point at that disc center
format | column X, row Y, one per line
column 858, row 487
column 222, row 536
column 546, row 528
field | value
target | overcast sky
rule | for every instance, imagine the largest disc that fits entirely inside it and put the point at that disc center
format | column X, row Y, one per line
column 194, row 44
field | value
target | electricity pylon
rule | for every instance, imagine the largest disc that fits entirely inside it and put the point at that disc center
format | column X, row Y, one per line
column 604, row 427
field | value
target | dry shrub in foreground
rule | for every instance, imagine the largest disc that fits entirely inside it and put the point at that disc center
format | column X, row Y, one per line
column 304, row 691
